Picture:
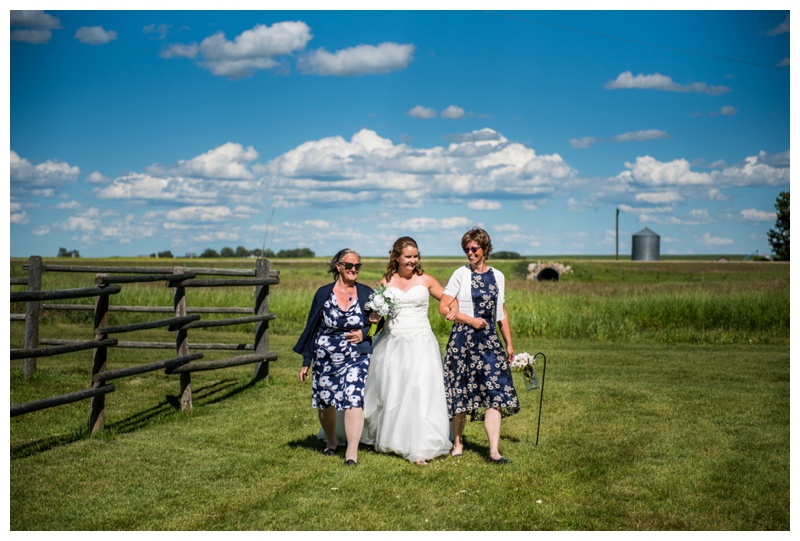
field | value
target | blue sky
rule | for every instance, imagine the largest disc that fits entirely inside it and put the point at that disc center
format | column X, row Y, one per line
column 134, row 132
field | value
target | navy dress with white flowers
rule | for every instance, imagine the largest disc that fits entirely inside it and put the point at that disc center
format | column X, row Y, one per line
column 476, row 370
column 339, row 370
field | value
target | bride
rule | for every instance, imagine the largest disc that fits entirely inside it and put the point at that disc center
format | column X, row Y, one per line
column 405, row 408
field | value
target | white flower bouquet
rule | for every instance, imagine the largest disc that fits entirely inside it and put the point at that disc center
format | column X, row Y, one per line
column 382, row 302
column 526, row 362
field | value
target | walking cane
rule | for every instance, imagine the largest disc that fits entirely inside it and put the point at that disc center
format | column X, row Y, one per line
column 541, row 394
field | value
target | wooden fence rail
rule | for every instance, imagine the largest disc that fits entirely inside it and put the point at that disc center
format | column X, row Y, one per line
column 108, row 283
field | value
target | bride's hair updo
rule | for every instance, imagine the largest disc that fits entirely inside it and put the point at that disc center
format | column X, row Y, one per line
column 394, row 257
column 338, row 259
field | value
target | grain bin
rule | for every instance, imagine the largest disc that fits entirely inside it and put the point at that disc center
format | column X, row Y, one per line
column 646, row 246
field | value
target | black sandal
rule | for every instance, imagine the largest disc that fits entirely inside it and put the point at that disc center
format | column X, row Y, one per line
column 330, row 452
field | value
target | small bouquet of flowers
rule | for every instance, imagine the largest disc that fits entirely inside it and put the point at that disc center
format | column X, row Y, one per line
column 525, row 361
column 382, row 302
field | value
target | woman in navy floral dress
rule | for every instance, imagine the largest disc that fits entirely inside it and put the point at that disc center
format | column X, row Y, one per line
column 477, row 368
column 336, row 341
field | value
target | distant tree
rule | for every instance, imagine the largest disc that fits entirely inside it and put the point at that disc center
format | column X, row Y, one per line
column 779, row 237
column 227, row 252
column 166, row 254
column 209, row 252
column 63, row 252
column 296, row 252
column 241, row 251
column 505, row 255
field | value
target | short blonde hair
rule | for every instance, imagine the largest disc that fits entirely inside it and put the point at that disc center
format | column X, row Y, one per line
column 476, row 234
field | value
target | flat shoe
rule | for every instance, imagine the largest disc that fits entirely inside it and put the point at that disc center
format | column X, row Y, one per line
column 501, row 460
column 330, row 452
column 350, row 462
column 456, row 454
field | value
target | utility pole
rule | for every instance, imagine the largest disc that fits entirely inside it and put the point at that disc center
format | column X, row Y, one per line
column 617, row 234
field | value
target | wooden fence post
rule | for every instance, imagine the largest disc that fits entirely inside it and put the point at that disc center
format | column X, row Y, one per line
column 262, row 328
column 32, row 309
column 182, row 345
column 99, row 358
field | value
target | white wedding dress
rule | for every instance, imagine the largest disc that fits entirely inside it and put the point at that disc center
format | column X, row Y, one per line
column 405, row 410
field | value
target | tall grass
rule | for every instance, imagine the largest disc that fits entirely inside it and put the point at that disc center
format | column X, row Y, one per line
column 697, row 302
column 666, row 408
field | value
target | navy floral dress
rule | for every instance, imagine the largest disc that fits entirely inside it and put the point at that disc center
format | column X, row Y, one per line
column 476, row 371
column 339, row 371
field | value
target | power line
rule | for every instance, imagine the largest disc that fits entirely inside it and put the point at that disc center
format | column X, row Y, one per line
column 635, row 41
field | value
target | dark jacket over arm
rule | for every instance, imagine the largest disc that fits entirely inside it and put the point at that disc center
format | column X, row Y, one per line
column 305, row 345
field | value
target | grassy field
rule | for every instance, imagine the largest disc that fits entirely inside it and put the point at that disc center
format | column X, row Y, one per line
column 666, row 407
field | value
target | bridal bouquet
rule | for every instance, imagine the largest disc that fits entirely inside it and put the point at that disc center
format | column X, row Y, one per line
column 525, row 361
column 382, row 302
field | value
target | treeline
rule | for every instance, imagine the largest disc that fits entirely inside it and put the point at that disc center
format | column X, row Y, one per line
column 240, row 252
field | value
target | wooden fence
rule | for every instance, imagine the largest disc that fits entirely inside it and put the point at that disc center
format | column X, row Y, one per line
column 108, row 281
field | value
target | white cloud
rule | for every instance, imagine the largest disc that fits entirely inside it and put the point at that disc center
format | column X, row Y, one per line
column 200, row 214
column 41, row 230
column 478, row 164
column 530, row 205
column 180, row 50
column 715, row 194
column 80, row 223
column 95, row 35
column 659, row 198
column 710, row 240
column 252, row 50
column 728, row 110
column 641, row 135
column 757, row 215
column 432, row 224
column 656, row 81
column 484, row 204
column 583, row 142
column 20, row 218
column 761, row 170
column 228, row 161
column 782, row 28
column 95, row 177
column 358, row 60
column 32, row 26
column 648, row 171
column 68, row 205
column 158, row 31
column 422, row 112
column 48, row 175
column 453, row 112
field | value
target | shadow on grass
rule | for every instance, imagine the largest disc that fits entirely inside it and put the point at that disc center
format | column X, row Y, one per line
column 309, row 443
column 201, row 396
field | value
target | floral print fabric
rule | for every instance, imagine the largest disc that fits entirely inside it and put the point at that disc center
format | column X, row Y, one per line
column 476, row 369
column 339, row 371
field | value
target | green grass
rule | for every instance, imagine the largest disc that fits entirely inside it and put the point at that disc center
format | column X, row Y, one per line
column 666, row 407
column 632, row 438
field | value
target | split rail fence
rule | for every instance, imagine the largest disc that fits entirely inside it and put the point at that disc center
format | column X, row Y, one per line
column 108, row 282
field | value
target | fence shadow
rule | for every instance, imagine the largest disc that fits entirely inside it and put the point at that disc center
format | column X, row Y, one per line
column 203, row 395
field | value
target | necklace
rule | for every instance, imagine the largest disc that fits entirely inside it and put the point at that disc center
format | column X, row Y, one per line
column 349, row 297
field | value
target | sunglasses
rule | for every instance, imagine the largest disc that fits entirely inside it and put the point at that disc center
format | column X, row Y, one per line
column 349, row 266
column 473, row 249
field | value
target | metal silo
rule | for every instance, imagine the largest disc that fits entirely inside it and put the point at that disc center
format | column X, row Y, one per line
column 646, row 246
